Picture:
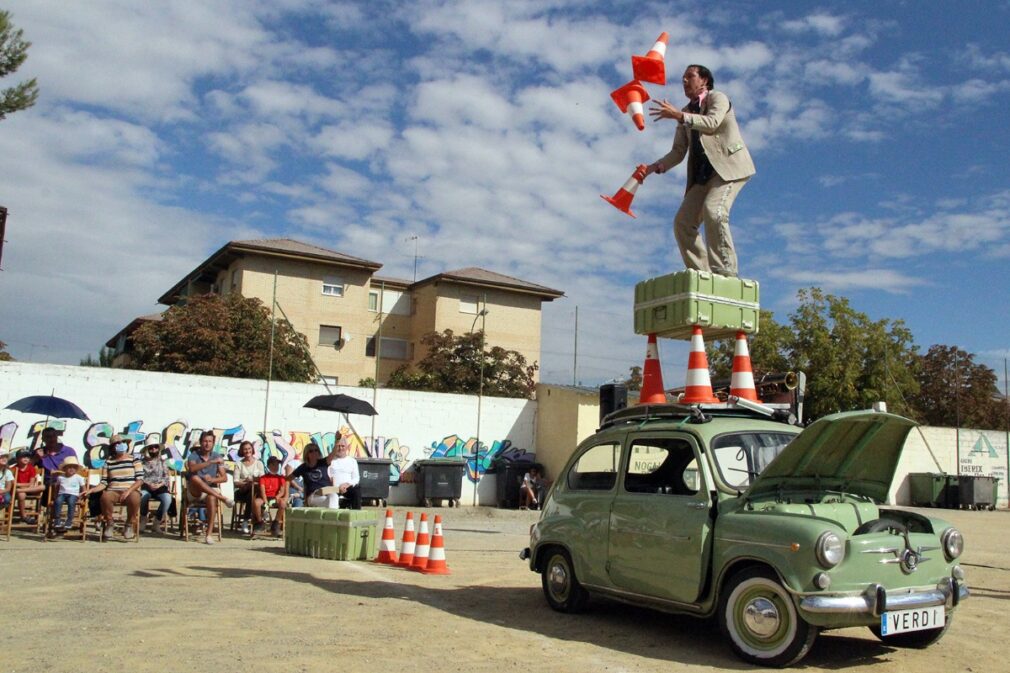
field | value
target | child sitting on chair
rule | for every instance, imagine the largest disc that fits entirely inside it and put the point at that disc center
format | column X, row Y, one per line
column 274, row 486
column 71, row 487
column 6, row 482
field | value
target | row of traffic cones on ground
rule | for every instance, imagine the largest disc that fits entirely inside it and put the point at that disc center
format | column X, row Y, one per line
column 699, row 384
column 423, row 552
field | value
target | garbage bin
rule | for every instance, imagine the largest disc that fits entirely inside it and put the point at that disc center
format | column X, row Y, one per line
column 439, row 480
column 995, row 493
column 928, row 489
column 509, row 474
column 975, row 492
column 952, row 497
column 374, row 484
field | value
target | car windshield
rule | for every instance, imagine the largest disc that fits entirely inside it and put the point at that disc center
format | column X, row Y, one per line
column 741, row 456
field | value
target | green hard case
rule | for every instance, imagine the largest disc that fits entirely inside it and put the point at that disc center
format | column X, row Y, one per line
column 672, row 305
column 336, row 534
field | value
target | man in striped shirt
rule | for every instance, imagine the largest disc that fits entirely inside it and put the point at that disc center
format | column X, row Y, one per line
column 122, row 476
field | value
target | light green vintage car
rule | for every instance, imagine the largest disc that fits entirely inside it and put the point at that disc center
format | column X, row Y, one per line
column 778, row 533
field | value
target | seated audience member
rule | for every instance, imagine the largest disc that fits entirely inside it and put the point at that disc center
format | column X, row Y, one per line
column 71, row 486
column 344, row 474
column 531, row 489
column 155, row 484
column 122, row 476
column 6, row 481
column 204, row 472
column 273, row 486
column 313, row 472
column 296, row 490
column 26, row 483
column 247, row 470
column 51, row 455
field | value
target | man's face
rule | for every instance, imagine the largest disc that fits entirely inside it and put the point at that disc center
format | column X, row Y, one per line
column 51, row 440
column 342, row 449
column 207, row 444
column 694, row 83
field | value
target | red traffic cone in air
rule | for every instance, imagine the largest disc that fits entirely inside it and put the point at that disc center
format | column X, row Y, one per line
column 387, row 544
column 436, row 555
column 622, row 199
column 407, row 545
column 652, row 376
column 741, row 383
column 699, row 386
column 629, row 98
column 420, row 561
column 652, row 67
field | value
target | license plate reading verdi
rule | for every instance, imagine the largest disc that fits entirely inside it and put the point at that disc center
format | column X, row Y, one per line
column 903, row 621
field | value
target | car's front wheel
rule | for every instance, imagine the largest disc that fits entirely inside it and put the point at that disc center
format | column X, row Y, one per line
column 561, row 588
column 761, row 621
column 913, row 639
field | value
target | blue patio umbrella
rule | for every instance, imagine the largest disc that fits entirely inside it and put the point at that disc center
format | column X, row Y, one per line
column 49, row 406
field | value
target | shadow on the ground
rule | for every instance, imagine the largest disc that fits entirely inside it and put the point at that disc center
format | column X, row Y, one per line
column 615, row 626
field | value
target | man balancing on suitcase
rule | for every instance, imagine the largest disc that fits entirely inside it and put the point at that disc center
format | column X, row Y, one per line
column 718, row 166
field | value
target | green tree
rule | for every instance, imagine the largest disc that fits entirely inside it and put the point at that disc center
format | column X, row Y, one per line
column 956, row 391
column 105, row 356
column 769, row 350
column 13, row 52
column 453, row 365
column 4, row 355
column 222, row 336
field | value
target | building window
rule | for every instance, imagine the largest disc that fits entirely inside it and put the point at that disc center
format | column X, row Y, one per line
column 329, row 380
column 331, row 336
column 333, row 286
column 394, row 302
column 468, row 303
column 392, row 349
column 234, row 281
column 373, row 300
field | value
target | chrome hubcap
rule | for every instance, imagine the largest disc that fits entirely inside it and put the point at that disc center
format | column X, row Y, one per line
column 761, row 617
column 558, row 579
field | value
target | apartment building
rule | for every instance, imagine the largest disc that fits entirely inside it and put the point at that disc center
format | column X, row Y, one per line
column 358, row 324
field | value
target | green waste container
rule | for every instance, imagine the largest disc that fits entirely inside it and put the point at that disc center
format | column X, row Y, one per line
column 928, row 489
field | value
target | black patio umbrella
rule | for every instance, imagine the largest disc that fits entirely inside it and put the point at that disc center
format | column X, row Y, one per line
column 49, row 406
column 345, row 404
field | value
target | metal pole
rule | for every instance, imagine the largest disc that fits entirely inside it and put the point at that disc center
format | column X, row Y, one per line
column 575, row 356
column 1006, row 403
column 270, row 366
column 957, row 415
column 480, row 398
column 378, row 352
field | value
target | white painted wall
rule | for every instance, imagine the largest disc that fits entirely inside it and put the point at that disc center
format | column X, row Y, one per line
column 410, row 425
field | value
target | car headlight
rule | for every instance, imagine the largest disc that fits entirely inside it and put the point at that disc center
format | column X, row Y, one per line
column 953, row 543
column 829, row 549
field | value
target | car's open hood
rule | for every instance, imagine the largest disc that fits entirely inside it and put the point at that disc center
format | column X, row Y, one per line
column 855, row 452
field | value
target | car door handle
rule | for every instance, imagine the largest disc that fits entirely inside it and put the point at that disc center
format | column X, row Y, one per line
column 697, row 505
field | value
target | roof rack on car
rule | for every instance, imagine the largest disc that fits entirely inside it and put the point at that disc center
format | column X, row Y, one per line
column 698, row 412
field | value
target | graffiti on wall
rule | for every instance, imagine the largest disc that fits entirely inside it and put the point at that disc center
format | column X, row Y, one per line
column 178, row 439
column 983, row 458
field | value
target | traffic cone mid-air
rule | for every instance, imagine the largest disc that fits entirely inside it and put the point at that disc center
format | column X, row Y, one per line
column 624, row 196
column 699, row 386
column 436, row 555
column 420, row 561
column 741, row 383
column 652, row 67
column 407, row 545
column 387, row 544
column 630, row 98
column 652, row 376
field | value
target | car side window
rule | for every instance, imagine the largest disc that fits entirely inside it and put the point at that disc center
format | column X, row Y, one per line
column 596, row 469
column 664, row 466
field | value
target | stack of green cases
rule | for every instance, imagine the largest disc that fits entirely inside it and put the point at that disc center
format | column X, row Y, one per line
column 672, row 305
column 336, row 534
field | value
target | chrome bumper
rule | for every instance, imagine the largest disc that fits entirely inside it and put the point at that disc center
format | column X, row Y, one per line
column 875, row 600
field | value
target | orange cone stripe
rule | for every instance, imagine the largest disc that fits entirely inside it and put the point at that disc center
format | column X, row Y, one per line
column 422, row 546
column 387, row 545
column 741, row 383
column 658, row 50
column 407, row 545
column 436, row 558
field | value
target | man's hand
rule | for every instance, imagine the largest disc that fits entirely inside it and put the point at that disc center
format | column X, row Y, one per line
column 665, row 110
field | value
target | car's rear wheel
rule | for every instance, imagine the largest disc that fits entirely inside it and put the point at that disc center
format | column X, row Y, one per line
column 913, row 639
column 561, row 588
column 761, row 621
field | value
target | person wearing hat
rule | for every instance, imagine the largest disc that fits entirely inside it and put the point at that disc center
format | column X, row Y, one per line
column 122, row 476
column 6, row 481
column 71, row 487
column 155, row 484
column 52, row 454
column 25, row 478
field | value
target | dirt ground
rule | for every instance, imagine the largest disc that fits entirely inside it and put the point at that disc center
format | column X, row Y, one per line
column 165, row 605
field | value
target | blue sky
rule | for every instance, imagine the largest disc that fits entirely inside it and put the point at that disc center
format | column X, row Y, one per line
column 879, row 131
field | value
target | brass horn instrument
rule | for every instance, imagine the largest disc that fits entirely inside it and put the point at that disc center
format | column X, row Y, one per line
column 771, row 384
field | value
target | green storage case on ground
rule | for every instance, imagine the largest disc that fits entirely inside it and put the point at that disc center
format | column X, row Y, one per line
column 670, row 306
column 336, row 534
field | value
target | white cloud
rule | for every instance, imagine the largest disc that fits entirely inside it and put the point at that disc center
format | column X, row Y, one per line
column 885, row 280
column 825, row 24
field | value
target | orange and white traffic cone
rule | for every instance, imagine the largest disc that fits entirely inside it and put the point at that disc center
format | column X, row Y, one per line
column 699, row 386
column 622, row 199
column 741, row 383
column 407, row 545
column 436, row 555
column 652, row 67
column 652, row 376
column 387, row 544
column 420, row 561
column 630, row 98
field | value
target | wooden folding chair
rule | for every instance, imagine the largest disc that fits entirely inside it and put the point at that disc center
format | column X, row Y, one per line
column 33, row 505
column 189, row 515
column 242, row 511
